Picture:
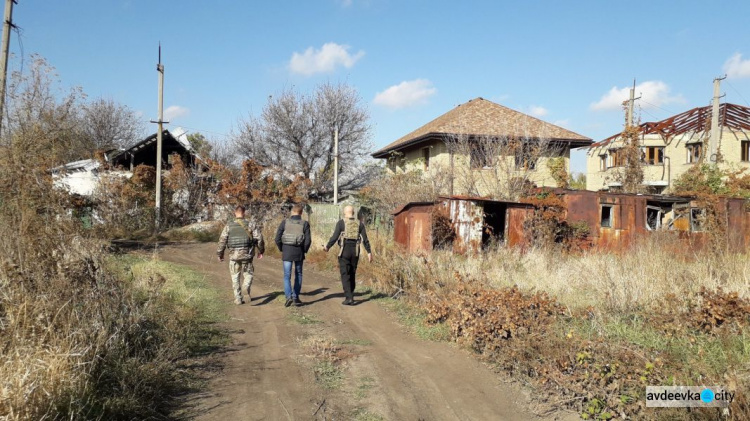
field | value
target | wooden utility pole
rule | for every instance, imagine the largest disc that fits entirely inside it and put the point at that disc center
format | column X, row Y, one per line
column 7, row 24
column 336, row 164
column 160, row 123
column 713, row 142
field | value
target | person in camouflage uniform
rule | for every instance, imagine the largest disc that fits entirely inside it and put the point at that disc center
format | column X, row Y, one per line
column 241, row 237
column 349, row 233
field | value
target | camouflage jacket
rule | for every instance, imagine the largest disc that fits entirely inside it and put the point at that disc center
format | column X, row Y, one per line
column 243, row 253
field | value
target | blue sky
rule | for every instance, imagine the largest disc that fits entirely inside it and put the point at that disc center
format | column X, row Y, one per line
column 411, row 60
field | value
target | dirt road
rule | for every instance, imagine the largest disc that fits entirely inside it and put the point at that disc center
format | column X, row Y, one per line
column 388, row 373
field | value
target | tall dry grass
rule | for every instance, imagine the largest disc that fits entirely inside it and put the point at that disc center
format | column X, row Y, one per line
column 654, row 314
column 656, row 268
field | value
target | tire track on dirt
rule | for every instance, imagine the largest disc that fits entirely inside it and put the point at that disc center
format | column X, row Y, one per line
column 411, row 378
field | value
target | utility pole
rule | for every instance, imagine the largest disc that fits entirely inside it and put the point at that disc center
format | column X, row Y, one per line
column 7, row 24
column 630, row 117
column 630, row 105
column 713, row 142
column 336, row 164
column 160, row 122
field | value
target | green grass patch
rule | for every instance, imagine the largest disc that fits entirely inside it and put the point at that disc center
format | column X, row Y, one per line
column 358, row 342
column 301, row 318
column 693, row 354
column 362, row 414
column 328, row 375
column 414, row 318
column 364, row 385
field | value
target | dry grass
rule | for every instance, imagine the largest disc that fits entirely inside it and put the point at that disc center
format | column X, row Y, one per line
column 638, row 279
column 94, row 345
column 653, row 315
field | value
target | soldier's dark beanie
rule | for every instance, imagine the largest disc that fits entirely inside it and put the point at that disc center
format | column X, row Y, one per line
column 239, row 207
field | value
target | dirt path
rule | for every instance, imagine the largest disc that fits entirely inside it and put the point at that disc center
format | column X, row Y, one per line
column 389, row 373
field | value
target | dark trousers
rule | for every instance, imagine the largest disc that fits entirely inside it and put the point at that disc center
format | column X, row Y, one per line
column 348, row 268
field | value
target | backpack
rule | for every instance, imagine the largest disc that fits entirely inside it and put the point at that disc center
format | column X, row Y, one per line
column 351, row 229
column 294, row 233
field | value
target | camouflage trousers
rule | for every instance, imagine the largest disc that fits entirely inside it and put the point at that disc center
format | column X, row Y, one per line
column 242, row 268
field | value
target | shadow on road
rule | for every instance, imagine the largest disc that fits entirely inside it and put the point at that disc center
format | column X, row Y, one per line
column 267, row 298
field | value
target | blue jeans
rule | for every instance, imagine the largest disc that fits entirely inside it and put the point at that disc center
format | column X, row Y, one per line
column 288, row 278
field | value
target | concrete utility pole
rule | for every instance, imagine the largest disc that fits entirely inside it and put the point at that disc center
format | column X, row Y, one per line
column 713, row 143
column 160, row 122
column 8, row 23
column 630, row 106
column 336, row 164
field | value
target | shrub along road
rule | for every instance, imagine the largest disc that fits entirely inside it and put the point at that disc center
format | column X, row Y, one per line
column 328, row 361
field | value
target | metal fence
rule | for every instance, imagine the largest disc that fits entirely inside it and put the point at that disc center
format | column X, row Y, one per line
column 323, row 217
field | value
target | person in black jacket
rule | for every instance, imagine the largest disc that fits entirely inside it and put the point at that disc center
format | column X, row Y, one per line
column 349, row 233
column 293, row 240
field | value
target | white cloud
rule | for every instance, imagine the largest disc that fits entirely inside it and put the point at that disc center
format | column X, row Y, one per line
column 735, row 67
column 654, row 93
column 175, row 111
column 346, row 3
column 406, row 94
column 538, row 111
column 324, row 60
column 562, row 123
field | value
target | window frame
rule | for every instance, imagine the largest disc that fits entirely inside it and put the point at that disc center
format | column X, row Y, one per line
column 426, row 157
column 745, row 151
column 523, row 159
column 652, row 155
column 697, row 222
column 610, row 219
column 691, row 156
column 616, row 158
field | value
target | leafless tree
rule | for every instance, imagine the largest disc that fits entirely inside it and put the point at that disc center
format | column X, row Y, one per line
column 501, row 167
column 295, row 133
column 107, row 124
column 38, row 107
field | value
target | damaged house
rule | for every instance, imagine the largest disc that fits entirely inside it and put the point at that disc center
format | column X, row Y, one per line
column 672, row 146
column 83, row 177
column 482, row 148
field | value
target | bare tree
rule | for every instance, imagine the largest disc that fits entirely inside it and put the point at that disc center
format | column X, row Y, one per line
column 107, row 124
column 295, row 133
column 500, row 167
column 41, row 113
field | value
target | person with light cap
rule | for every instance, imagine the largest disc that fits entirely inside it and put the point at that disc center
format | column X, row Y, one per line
column 242, row 238
column 293, row 240
column 349, row 233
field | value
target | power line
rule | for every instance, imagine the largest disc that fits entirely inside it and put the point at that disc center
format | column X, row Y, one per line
column 654, row 105
column 204, row 131
column 738, row 93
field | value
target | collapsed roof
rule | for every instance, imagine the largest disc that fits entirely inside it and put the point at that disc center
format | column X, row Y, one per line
column 732, row 116
column 144, row 152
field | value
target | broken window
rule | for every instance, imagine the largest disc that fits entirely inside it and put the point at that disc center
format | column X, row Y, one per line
column 479, row 156
column 694, row 152
column 606, row 219
column 426, row 157
column 652, row 155
column 697, row 219
column 602, row 162
column 745, row 154
column 678, row 218
column 526, row 157
column 653, row 218
column 616, row 158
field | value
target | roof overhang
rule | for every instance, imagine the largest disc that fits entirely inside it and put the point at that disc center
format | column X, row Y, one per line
column 386, row 153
